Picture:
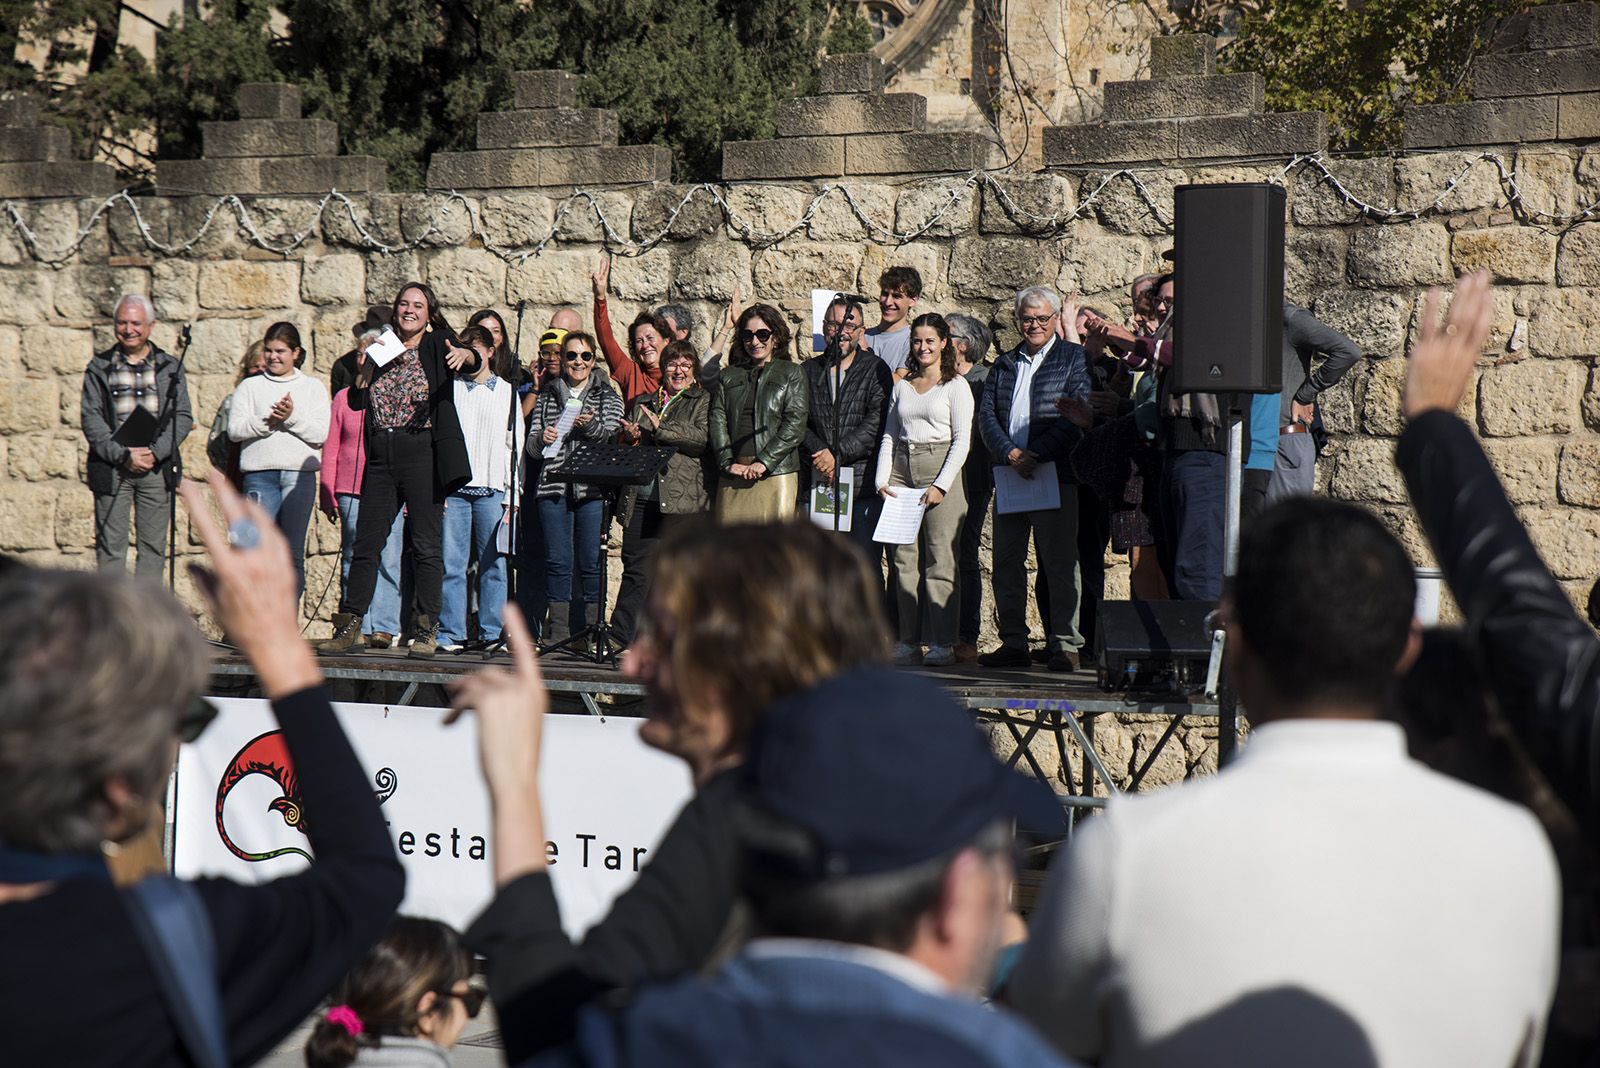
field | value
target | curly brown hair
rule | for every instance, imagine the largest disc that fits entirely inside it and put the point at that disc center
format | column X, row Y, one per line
column 773, row 320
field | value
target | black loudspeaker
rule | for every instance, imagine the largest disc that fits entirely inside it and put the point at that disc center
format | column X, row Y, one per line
column 1228, row 335
column 1145, row 643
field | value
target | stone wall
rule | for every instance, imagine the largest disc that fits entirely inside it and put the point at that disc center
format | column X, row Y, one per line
column 1090, row 224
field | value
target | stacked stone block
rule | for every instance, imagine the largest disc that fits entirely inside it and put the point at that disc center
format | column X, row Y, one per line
column 271, row 151
column 1186, row 111
column 37, row 161
column 853, row 129
column 548, row 141
column 1539, row 82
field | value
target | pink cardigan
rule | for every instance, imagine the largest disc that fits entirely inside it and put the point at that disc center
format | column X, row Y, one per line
column 344, row 454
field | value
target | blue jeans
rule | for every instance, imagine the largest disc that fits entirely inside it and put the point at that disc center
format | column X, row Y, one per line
column 571, row 538
column 1194, row 505
column 383, row 614
column 289, row 497
column 470, row 524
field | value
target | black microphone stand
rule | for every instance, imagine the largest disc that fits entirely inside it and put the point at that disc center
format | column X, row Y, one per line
column 498, row 645
column 177, row 461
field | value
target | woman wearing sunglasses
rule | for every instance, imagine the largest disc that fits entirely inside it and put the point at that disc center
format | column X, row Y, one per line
column 570, row 513
column 758, row 419
column 402, row 1007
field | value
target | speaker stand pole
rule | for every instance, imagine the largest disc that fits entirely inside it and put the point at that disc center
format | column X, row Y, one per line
column 1227, row 700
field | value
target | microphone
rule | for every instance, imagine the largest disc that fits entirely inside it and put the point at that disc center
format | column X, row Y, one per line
column 522, row 305
column 184, row 337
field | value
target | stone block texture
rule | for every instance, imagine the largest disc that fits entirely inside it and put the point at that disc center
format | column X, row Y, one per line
column 854, row 72
column 544, row 89
column 1481, row 122
column 270, row 137
column 913, row 153
column 1563, row 70
column 21, row 144
column 791, row 157
column 269, row 100
column 1171, row 98
column 1183, row 55
column 547, row 141
column 1548, row 27
column 1110, row 142
column 19, row 109
column 842, row 113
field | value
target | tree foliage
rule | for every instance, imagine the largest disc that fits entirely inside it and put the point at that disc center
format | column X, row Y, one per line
column 1361, row 63
column 406, row 78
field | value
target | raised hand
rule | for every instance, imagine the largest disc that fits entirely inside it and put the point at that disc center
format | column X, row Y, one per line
column 251, row 589
column 1441, row 362
column 601, row 277
column 510, row 706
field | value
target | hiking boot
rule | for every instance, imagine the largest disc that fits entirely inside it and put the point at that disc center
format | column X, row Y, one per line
column 425, row 638
column 346, row 634
column 380, row 639
column 1006, row 656
column 1064, row 661
column 557, row 630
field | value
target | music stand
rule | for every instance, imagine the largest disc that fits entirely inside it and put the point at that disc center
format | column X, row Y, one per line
column 609, row 468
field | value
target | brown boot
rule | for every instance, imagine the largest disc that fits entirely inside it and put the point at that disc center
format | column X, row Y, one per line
column 346, row 634
column 425, row 638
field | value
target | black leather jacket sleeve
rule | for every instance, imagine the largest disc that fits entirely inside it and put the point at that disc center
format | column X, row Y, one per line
column 1542, row 659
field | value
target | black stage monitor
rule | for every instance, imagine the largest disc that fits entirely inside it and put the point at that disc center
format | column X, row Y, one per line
column 1228, row 294
column 1141, row 644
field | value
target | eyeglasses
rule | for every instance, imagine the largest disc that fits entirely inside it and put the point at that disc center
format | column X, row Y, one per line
column 762, row 336
column 1037, row 320
column 195, row 719
column 473, row 1000
column 831, row 327
column 579, row 354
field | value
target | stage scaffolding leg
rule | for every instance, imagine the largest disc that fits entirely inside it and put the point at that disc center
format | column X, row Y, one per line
column 1227, row 700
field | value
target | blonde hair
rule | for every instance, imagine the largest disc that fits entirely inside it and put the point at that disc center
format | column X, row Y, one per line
column 251, row 355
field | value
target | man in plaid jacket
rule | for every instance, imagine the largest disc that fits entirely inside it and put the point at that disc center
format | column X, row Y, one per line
column 1022, row 429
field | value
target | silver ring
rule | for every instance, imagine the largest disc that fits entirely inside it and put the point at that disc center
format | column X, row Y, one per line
column 244, row 534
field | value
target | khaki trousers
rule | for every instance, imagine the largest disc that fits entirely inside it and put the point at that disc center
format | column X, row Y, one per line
column 925, row 570
column 767, row 500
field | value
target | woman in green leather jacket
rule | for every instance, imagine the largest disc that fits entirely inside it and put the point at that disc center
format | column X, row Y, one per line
column 758, row 419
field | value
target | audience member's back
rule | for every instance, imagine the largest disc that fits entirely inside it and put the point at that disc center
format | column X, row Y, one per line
column 1325, row 899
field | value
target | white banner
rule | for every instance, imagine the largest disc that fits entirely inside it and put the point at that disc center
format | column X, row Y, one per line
column 608, row 799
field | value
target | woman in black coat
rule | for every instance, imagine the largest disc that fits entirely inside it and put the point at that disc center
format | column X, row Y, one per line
column 416, row 457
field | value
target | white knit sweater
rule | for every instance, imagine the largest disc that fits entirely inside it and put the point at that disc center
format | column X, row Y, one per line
column 944, row 413
column 297, row 444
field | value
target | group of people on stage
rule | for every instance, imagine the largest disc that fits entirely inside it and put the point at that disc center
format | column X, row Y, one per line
column 839, row 890
column 446, row 443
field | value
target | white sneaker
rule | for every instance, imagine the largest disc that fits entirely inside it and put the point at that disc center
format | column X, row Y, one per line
column 939, row 656
column 453, row 647
column 905, row 654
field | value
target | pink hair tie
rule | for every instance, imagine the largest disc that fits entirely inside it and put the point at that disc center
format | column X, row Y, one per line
column 345, row 1017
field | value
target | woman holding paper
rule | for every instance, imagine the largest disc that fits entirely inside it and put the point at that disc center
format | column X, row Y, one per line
column 925, row 442
column 571, row 409
column 280, row 420
column 416, row 457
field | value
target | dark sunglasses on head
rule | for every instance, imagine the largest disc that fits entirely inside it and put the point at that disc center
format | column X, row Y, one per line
column 194, row 721
column 472, row 999
column 578, row 354
column 762, row 336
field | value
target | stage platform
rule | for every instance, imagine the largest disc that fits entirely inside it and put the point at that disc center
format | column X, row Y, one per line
column 1027, row 704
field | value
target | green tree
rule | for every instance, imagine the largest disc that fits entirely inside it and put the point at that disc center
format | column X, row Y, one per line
column 407, row 78
column 1361, row 63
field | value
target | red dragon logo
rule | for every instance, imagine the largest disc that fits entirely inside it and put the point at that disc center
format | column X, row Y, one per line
column 268, row 755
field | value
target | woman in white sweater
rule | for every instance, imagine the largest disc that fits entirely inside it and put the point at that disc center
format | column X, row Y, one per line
column 280, row 419
column 925, row 442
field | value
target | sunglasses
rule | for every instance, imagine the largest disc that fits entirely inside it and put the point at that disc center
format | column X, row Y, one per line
column 762, row 336
column 194, row 721
column 473, row 1000
column 578, row 354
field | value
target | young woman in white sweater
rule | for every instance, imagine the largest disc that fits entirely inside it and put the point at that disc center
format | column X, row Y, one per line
column 925, row 443
column 280, row 419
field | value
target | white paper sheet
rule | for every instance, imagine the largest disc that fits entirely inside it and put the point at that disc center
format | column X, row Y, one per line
column 502, row 534
column 823, row 498
column 901, row 517
column 1013, row 493
column 569, row 415
column 383, row 351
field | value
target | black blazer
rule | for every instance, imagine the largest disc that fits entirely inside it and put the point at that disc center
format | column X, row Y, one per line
column 450, row 464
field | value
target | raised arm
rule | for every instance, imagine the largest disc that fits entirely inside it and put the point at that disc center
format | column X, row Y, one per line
column 1542, row 660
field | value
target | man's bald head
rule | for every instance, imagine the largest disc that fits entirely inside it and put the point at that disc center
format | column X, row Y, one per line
column 566, row 319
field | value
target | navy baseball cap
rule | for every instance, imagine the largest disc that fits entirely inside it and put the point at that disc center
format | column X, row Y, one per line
column 877, row 770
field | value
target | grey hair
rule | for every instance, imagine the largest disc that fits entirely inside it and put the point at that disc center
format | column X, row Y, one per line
column 1037, row 295
column 978, row 338
column 369, row 335
column 139, row 299
column 681, row 316
column 96, row 671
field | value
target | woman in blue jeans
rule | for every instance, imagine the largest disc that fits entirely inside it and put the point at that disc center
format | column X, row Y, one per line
column 570, row 513
column 280, row 420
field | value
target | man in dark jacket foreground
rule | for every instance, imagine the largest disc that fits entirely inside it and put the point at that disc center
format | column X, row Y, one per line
column 878, row 879
column 1541, row 658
